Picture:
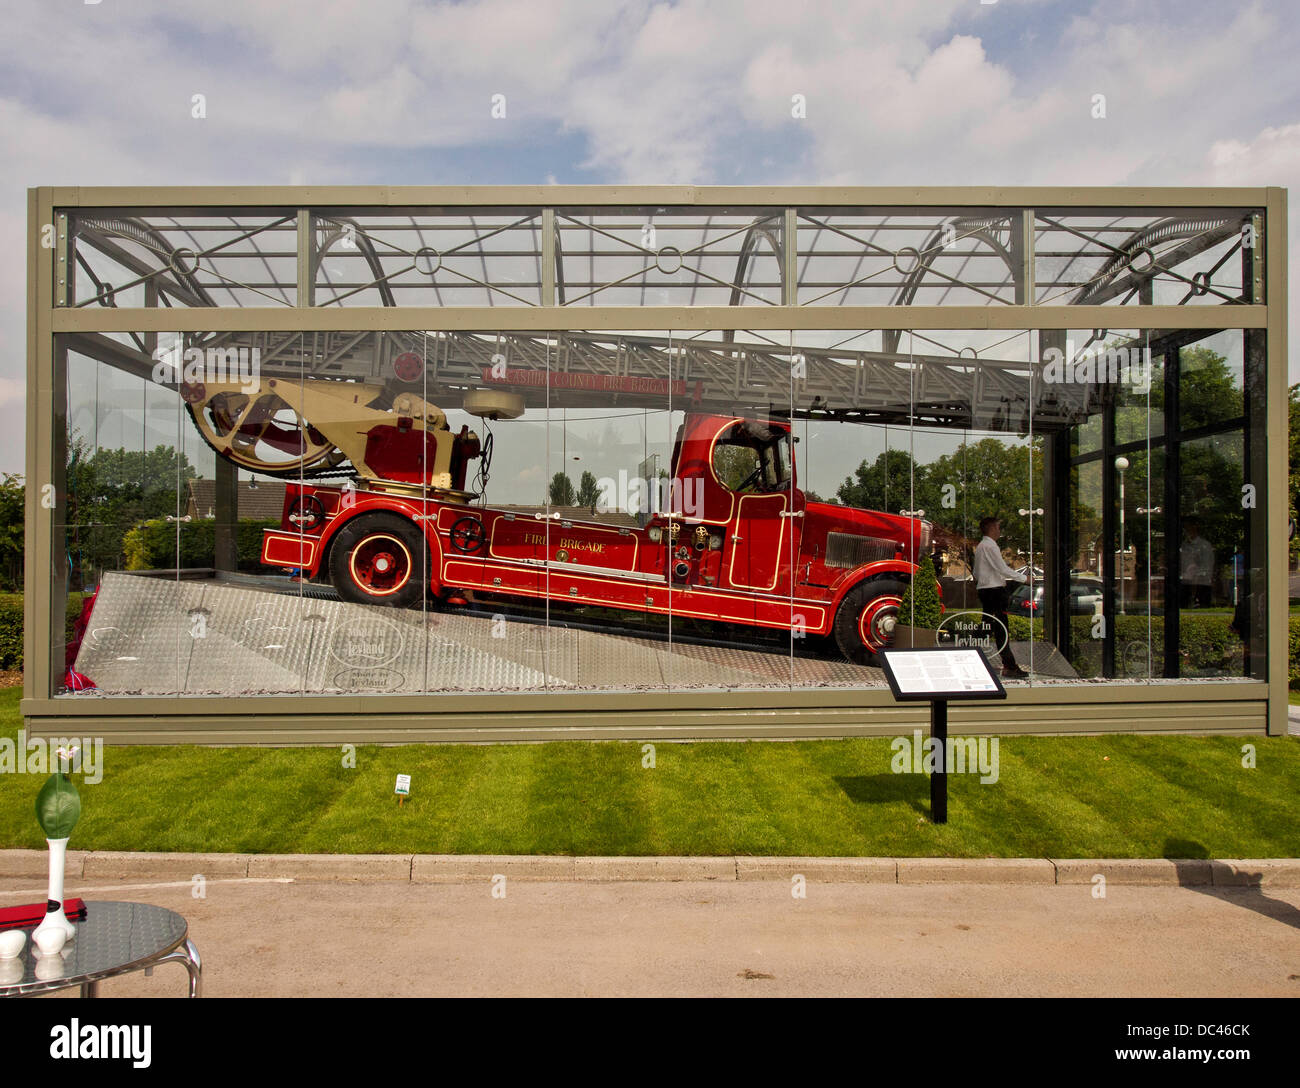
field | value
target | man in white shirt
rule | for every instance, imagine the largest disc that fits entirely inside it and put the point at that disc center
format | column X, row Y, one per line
column 991, row 577
column 1196, row 566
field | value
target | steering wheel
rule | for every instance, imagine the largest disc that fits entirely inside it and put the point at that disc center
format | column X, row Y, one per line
column 752, row 478
column 467, row 534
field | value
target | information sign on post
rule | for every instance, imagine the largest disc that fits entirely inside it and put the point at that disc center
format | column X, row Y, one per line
column 935, row 675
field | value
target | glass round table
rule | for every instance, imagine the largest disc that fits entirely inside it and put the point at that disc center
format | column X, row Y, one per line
column 112, row 939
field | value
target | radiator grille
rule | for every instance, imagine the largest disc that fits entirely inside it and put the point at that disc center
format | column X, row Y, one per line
column 849, row 550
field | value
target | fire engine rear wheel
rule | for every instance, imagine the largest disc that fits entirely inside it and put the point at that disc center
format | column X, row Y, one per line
column 865, row 621
column 380, row 559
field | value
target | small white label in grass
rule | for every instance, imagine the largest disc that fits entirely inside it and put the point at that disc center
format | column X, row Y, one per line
column 403, row 785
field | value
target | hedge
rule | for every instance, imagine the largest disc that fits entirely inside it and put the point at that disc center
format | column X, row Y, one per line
column 1209, row 646
column 151, row 545
column 11, row 631
column 11, row 627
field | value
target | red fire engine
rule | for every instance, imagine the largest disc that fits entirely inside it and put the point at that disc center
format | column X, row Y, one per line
column 735, row 539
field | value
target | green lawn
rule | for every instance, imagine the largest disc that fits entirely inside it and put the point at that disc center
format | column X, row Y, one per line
column 1056, row 797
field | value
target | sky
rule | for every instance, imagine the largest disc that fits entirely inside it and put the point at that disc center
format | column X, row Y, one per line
column 944, row 92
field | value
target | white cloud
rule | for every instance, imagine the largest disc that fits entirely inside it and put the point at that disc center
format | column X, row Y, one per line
column 943, row 92
column 1271, row 157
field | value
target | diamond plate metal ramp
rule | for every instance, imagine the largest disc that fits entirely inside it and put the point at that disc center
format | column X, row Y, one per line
column 1043, row 659
column 157, row 636
column 160, row 636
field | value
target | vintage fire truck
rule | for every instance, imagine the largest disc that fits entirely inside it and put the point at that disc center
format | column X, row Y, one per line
column 735, row 542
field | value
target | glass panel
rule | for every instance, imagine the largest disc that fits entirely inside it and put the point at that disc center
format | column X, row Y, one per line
column 921, row 256
column 733, row 477
column 943, row 471
column 241, row 437
column 125, row 483
column 1137, row 385
column 469, row 257
column 1085, row 558
column 1250, row 616
column 1179, row 521
column 606, row 490
column 853, row 464
column 486, row 504
column 1210, row 382
column 1170, row 257
column 1003, row 474
column 187, row 258
column 1139, row 625
column 662, row 257
column 1211, row 555
column 1138, row 378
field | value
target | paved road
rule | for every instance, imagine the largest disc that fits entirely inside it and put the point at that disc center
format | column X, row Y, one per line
column 700, row 938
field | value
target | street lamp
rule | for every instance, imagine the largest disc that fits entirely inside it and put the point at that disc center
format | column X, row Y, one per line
column 1121, row 463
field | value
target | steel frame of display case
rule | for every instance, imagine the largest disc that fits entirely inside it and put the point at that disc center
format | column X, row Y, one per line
column 1244, row 706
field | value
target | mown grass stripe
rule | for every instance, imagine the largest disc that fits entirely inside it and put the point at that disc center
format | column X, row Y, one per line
column 1117, row 796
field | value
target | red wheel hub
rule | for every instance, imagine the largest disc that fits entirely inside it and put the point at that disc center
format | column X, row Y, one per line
column 381, row 565
column 877, row 621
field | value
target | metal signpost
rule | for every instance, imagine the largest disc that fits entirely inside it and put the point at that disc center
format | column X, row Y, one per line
column 935, row 675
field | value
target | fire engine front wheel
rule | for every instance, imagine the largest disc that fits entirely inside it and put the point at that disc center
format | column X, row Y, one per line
column 866, row 617
column 380, row 559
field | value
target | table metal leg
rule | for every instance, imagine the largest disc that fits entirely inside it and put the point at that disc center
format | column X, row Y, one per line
column 90, row 989
column 189, row 958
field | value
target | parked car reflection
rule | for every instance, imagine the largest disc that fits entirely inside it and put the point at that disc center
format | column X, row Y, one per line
column 1085, row 597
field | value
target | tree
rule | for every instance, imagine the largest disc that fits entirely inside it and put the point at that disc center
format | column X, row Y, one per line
column 142, row 470
column 1295, row 461
column 734, row 463
column 12, row 535
column 560, row 492
column 588, row 491
column 110, row 491
column 888, row 483
column 1208, row 392
column 978, row 479
column 920, row 606
column 988, row 478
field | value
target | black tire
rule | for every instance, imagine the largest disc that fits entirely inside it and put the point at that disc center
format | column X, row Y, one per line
column 857, row 633
column 380, row 559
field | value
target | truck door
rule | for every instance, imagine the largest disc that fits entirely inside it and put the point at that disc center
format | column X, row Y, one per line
column 760, row 544
column 753, row 468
